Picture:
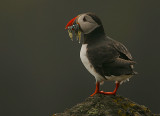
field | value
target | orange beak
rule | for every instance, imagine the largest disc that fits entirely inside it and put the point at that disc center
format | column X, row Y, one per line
column 70, row 23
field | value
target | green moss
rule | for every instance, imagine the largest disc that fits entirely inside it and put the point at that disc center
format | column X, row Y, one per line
column 119, row 112
column 93, row 111
column 105, row 105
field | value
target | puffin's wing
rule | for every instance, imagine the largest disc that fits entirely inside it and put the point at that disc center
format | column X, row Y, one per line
column 124, row 53
column 110, row 57
column 122, row 62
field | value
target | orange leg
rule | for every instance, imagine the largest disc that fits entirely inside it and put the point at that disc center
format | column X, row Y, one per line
column 97, row 89
column 106, row 93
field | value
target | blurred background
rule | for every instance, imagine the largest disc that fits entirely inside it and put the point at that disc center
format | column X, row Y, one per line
column 40, row 68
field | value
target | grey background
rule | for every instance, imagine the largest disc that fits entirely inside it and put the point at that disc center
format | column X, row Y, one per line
column 40, row 69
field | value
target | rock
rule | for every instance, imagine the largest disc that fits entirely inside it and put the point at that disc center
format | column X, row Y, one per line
column 107, row 105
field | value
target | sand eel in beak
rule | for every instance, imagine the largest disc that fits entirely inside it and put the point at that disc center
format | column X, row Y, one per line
column 106, row 59
column 73, row 28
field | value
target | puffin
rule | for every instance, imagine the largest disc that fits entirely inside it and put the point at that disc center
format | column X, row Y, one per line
column 105, row 58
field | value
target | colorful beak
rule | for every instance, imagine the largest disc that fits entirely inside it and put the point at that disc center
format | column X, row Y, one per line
column 70, row 23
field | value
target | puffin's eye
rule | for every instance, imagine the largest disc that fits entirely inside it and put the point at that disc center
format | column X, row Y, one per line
column 84, row 19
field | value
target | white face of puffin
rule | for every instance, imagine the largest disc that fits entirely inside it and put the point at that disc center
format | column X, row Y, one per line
column 86, row 23
column 82, row 23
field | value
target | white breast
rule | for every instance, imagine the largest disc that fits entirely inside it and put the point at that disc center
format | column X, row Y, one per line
column 87, row 64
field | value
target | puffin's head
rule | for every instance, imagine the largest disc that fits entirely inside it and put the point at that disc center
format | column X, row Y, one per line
column 85, row 23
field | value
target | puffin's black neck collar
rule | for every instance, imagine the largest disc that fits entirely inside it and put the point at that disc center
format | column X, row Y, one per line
column 95, row 35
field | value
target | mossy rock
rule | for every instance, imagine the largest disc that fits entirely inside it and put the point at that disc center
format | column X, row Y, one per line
column 107, row 105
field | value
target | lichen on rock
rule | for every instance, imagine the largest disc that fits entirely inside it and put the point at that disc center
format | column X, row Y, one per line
column 107, row 105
